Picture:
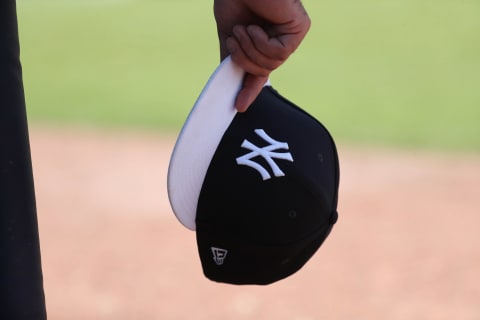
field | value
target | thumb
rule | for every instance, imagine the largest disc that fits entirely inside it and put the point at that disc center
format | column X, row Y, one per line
column 252, row 85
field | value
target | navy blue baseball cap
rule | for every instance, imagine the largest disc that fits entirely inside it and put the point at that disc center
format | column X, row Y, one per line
column 259, row 188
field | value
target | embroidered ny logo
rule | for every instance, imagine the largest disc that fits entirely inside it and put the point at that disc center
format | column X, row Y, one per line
column 267, row 152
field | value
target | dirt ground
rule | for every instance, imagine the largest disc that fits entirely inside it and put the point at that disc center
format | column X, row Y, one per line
column 406, row 245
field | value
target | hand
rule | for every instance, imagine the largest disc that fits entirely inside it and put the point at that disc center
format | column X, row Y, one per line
column 260, row 35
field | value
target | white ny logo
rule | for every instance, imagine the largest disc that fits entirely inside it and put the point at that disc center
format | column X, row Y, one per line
column 267, row 153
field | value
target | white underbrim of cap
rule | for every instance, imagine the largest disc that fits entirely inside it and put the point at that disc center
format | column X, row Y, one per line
column 199, row 138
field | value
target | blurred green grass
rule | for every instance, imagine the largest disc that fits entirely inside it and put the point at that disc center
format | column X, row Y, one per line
column 398, row 73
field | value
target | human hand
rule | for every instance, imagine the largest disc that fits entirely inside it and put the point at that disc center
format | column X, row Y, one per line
column 259, row 35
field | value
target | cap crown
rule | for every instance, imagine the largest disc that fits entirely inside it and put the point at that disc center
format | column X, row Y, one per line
column 269, row 197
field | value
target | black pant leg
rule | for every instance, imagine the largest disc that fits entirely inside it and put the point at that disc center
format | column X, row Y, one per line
column 21, row 283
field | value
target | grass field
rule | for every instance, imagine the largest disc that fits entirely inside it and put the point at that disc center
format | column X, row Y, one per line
column 401, row 73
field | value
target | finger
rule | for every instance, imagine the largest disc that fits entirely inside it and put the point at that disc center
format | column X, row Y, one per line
column 223, row 46
column 252, row 85
column 270, row 47
column 251, row 51
column 240, row 58
column 279, row 41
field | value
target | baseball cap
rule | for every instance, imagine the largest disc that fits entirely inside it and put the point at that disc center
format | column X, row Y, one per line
column 259, row 188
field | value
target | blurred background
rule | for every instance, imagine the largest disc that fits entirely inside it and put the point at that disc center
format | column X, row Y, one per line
column 108, row 85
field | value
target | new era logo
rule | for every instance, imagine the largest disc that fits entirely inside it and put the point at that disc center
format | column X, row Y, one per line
column 219, row 255
column 267, row 152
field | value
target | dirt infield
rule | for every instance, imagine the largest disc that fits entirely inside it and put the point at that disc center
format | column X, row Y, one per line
column 406, row 245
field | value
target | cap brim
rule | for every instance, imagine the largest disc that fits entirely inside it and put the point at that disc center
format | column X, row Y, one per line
column 199, row 138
